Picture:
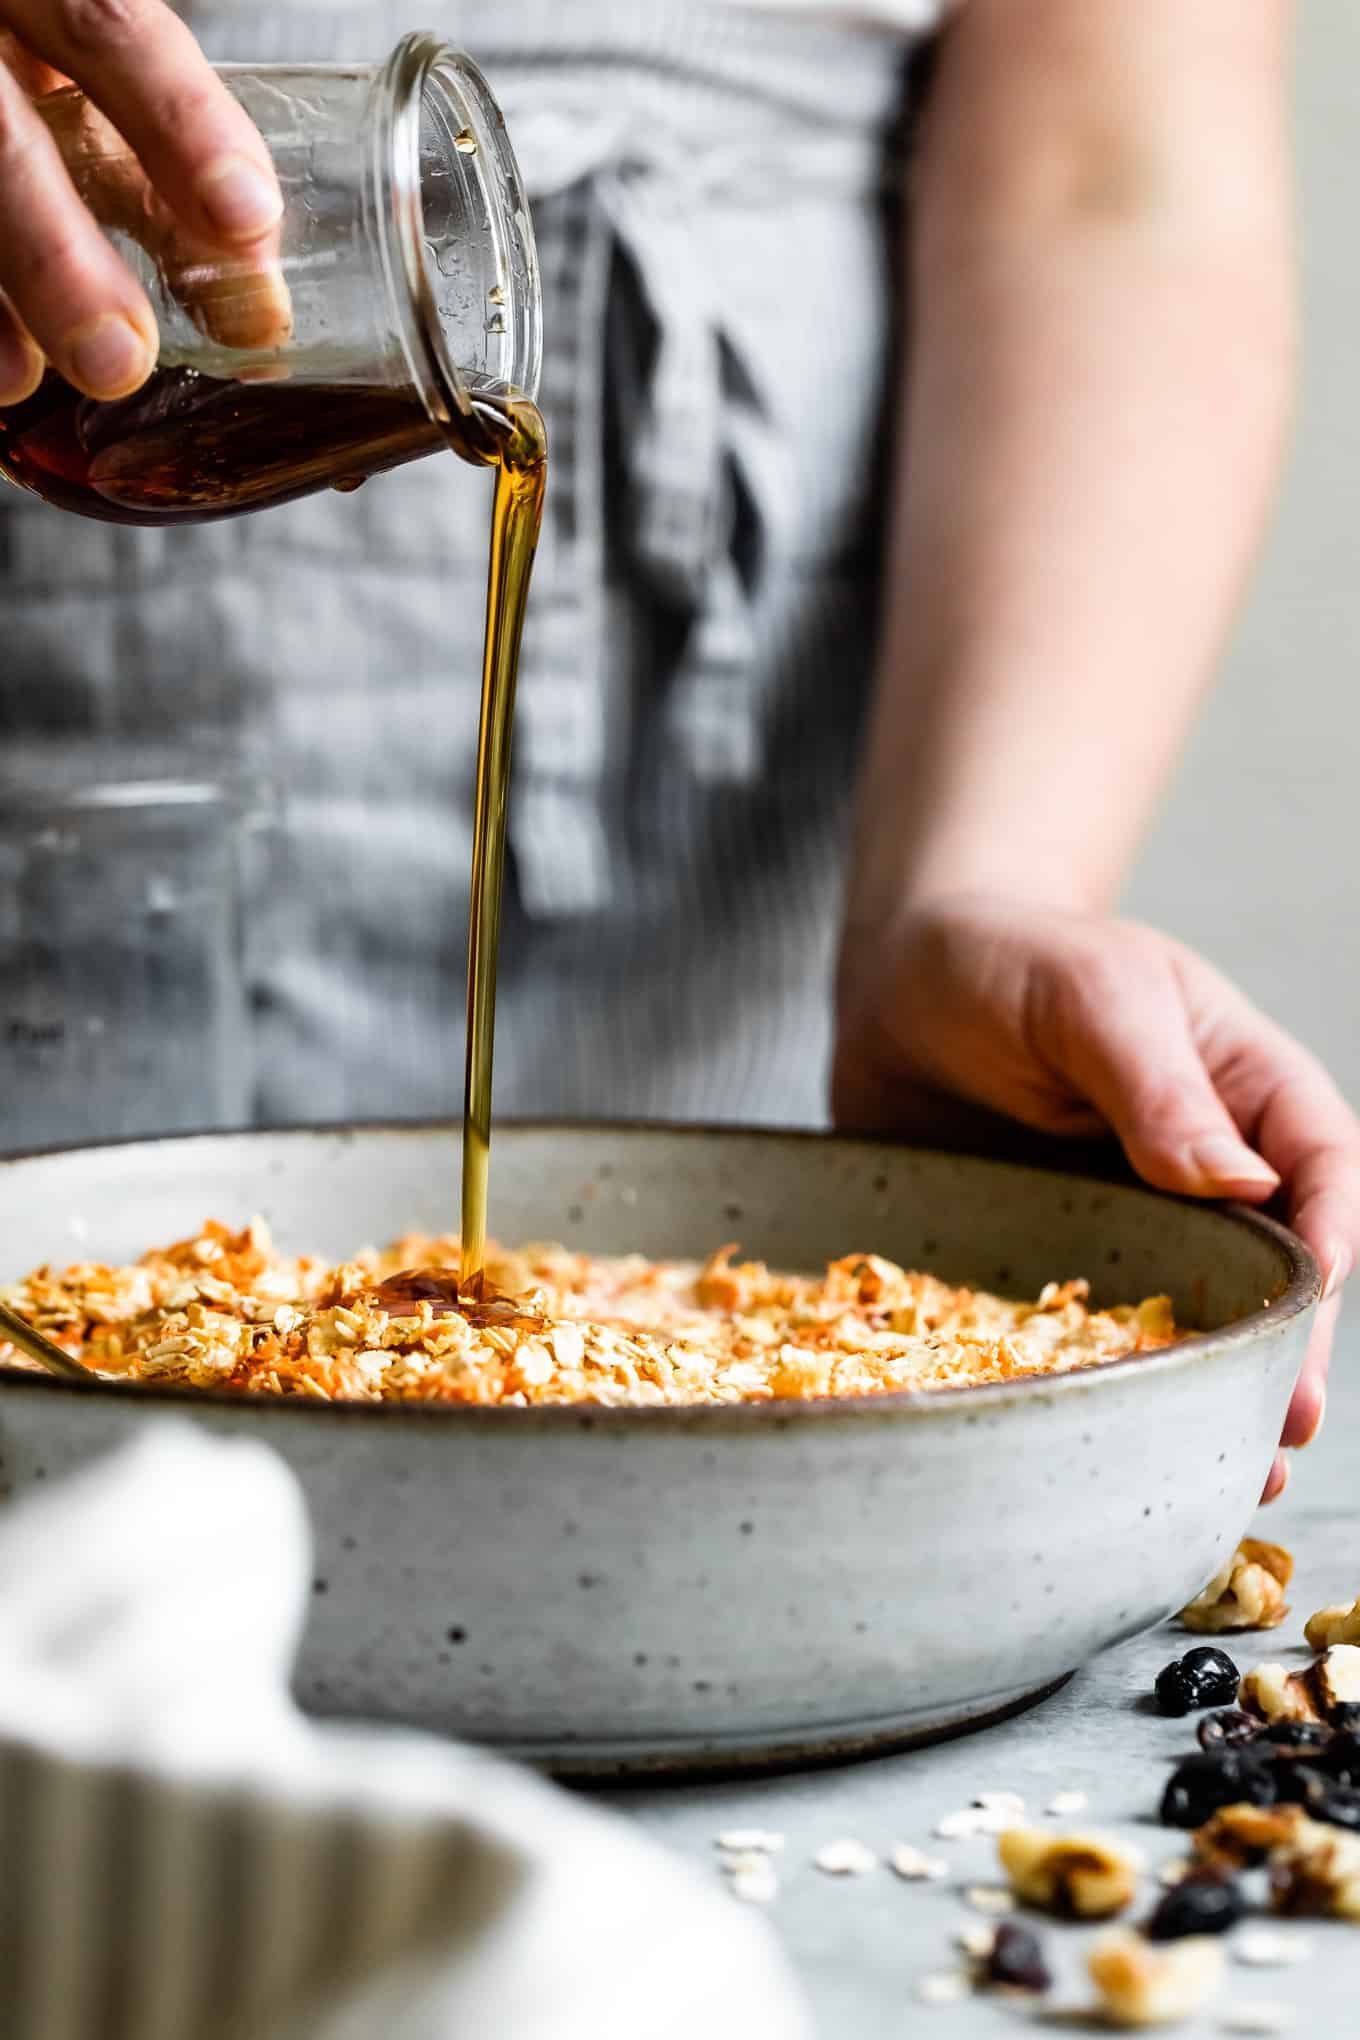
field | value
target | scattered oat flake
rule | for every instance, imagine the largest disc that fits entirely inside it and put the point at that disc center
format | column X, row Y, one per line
column 754, row 1881
column 916, row 1866
column 846, row 1858
column 1252, row 2016
column 958, row 1827
column 1263, row 1948
column 990, row 1898
column 1174, row 1872
column 1064, row 1803
column 999, row 1802
column 739, row 1841
column 976, row 1942
column 945, row 1987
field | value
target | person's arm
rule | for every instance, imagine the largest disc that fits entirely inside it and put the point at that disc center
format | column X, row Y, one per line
column 1100, row 364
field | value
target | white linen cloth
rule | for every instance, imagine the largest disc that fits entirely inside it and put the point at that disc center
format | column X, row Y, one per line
column 184, row 1856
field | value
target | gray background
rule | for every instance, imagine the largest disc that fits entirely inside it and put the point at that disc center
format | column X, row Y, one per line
column 1254, row 860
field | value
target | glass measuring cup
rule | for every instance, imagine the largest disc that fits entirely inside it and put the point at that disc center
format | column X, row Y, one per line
column 404, row 288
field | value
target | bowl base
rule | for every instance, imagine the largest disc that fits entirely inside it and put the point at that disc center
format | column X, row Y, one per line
column 680, row 1759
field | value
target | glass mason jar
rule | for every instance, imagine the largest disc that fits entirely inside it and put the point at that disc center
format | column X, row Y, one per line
column 122, row 987
column 404, row 286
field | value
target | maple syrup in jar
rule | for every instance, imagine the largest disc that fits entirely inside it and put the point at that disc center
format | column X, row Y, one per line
column 400, row 306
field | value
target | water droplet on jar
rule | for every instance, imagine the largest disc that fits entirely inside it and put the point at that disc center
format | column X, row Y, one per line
column 465, row 142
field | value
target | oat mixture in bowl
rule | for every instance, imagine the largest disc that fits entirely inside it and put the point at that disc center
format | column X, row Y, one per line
column 224, row 1309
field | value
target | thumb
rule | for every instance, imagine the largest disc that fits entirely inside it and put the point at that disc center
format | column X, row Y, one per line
column 1129, row 1047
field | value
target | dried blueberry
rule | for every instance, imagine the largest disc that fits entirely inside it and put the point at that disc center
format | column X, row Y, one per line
column 1229, row 1730
column 1337, row 1805
column 1177, row 1690
column 1345, row 1715
column 1201, row 1784
column 1215, row 1674
column 1205, row 1677
column 1341, row 1758
column 1017, row 1960
column 1197, row 1905
column 1300, row 1784
column 1296, row 1735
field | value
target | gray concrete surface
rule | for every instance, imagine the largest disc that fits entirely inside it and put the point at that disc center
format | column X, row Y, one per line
column 861, row 1945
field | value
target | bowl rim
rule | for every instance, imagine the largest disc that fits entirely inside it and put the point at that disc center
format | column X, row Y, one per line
column 1300, row 1290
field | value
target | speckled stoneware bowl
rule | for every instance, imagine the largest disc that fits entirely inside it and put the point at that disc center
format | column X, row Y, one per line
column 625, row 1590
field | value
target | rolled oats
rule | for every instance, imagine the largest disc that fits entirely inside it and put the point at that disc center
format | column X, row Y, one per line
column 558, row 1326
column 847, row 1858
column 738, row 1841
column 1256, row 2017
column 1065, row 1804
column 945, row 1987
column 1145, row 1985
column 753, row 1880
column 916, row 1866
column 989, row 1898
column 1261, row 1948
column 1089, row 1876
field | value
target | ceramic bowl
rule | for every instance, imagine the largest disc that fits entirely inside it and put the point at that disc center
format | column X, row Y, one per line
column 614, row 1591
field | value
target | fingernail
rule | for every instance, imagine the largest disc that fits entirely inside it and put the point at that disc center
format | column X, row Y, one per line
column 109, row 357
column 239, row 198
column 21, row 368
column 1222, row 1159
column 1339, row 1265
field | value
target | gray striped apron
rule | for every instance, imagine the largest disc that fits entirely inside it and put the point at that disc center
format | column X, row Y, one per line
column 714, row 199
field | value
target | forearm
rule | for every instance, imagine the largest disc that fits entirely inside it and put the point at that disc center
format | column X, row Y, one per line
column 1100, row 365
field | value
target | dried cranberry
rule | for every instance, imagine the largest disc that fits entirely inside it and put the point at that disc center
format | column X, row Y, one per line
column 1201, row 1784
column 1229, row 1730
column 1017, row 1960
column 1197, row 1905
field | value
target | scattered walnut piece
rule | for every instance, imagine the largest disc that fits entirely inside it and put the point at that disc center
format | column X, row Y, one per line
column 1333, row 1625
column 1142, row 1984
column 1241, row 1836
column 1276, row 1694
column 1332, row 1681
column 1248, row 1592
column 1086, row 1875
column 1317, row 1872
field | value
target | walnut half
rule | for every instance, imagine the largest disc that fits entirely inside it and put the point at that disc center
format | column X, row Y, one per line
column 1331, row 1682
column 1317, row 1872
column 1087, row 1876
column 1248, row 1592
column 1333, row 1625
column 1142, row 1984
column 1240, row 1837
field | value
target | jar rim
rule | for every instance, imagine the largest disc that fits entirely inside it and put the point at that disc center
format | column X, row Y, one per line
column 420, row 63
